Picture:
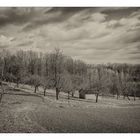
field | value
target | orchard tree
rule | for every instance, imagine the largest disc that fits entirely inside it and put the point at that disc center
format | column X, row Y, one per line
column 57, row 69
column 99, row 83
column 66, row 83
column 124, row 84
column 1, row 90
column 46, row 83
column 33, row 80
column 4, row 55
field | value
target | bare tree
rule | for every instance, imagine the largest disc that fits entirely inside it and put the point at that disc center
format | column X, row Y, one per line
column 66, row 83
column 46, row 83
column 4, row 55
column 57, row 68
column 33, row 80
column 2, row 91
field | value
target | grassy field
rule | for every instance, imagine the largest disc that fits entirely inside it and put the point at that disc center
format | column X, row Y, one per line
column 22, row 111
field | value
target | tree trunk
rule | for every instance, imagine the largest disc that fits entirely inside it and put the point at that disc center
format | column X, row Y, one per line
column 97, row 97
column 124, row 96
column 117, row 96
column 44, row 91
column 72, row 94
column 17, row 84
column 57, row 93
column 128, row 97
column 68, row 95
column 134, row 97
column 1, row 97
column 2, row 92
column 35, row 89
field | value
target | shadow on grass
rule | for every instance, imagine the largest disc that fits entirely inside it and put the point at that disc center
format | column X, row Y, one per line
column 83, row 100
column 27, row 94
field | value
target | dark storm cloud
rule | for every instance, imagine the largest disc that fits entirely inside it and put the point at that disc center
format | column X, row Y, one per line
column 117, row 13
column 62, row 14
column 54, row 15
column 22, row 15
column 67, row 10
column 131, row 37
column 36, row 17
column 15, row 15
column 107, row 34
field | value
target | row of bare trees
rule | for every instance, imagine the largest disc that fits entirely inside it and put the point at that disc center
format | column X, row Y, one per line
column 53, row 70
column 62, row 73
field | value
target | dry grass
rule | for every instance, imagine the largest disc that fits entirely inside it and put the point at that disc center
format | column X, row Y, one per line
column 22, row 113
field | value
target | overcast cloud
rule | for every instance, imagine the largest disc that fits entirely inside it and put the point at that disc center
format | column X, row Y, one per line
column 95, row 35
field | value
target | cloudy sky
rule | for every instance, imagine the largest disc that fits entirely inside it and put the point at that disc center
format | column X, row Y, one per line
column 95, row 35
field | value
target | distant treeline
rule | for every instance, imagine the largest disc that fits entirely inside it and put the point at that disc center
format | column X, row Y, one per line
column 56, row 71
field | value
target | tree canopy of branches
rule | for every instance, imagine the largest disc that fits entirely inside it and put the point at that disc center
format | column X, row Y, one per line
column 56, row 71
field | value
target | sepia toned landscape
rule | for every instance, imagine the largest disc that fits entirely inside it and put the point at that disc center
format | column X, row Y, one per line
column 69, row 70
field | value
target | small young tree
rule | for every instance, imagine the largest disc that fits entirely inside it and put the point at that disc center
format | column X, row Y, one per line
column 2, row 91
column 46, row 83
column 3, row 56
column 131, row 89
column 124, row 84
column 33, row 80
column 100, row 82
column 66, row 84
column 114, row 85
column 97, row 83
